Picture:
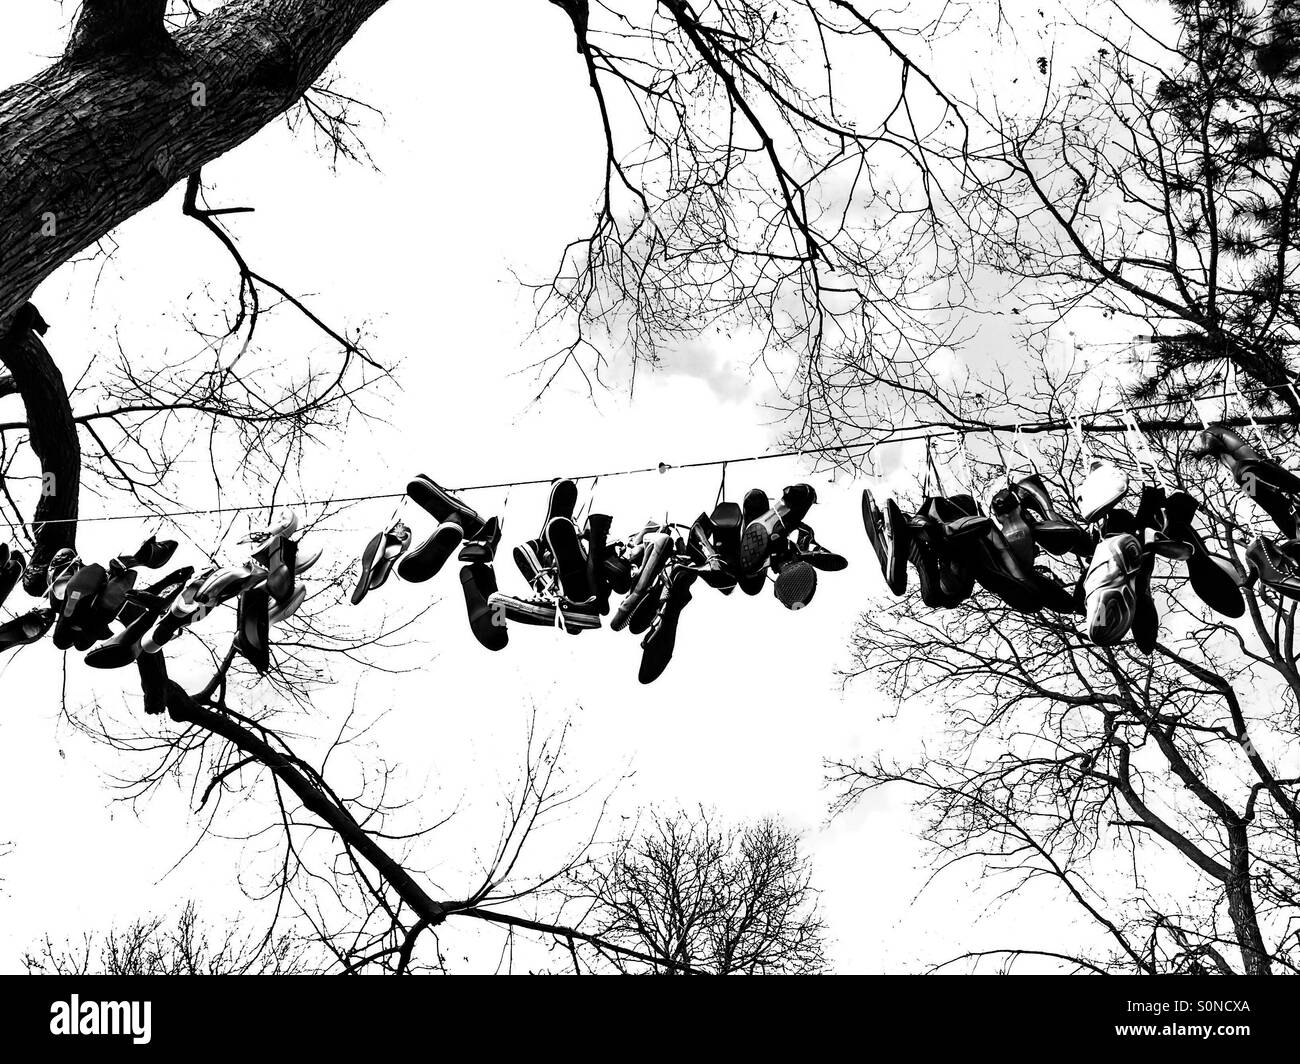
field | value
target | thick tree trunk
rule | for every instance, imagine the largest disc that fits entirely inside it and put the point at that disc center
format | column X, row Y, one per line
column 1241, row 906
column 104, row 133
column 53, row 436
column 129, row 111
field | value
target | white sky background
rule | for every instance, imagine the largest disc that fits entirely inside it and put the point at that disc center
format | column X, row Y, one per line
column 490, row 162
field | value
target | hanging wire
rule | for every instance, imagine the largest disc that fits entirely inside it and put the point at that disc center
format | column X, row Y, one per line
column 904, row 434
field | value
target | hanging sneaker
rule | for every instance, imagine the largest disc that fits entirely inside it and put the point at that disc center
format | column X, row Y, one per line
column 426, row 560
column 599, row 550
column 1110, row 588
column 762, row 533
column 456, row 522
column 661, row 640
column 570, row 559
column 544, row 611
column 561, row 503
column 888, row 533
column 655, row 551
column 709, row 562
column 533, row 563
column 76, row 603
column 807, row 549
column 479, row 583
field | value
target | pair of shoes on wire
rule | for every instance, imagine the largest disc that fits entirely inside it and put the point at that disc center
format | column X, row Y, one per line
column 458, row 526
column 565, row 569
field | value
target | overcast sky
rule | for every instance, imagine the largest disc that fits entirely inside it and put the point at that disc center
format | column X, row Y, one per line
column 489, row 163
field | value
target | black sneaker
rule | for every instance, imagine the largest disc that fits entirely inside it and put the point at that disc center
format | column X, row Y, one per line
column 598, row 549
column 479, row 583
column 889, row 535
column 427, row 560
column 712, row 567
column 544, row 611
column 443, row 505
column 562, row 502
column 570, row 560
column 655, row 551
column 532, row 562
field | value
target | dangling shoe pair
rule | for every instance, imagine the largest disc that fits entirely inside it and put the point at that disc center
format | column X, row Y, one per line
column 661, row 635
column 649, row 555
column 765, row 531
column 457, row 523
column 141, row 611
column 87, row 598
column 201, row 594
column 797, row 565
column 938, row 541
column 556, row 566
column 379, row 557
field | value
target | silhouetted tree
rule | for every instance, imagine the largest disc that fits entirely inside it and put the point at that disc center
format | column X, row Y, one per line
column 715, row 899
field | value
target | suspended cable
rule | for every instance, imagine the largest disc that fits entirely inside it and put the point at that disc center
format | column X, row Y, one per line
column 899, row 434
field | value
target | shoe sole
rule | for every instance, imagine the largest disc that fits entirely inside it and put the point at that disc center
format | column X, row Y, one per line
column 795, row 586
column 440, row 503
